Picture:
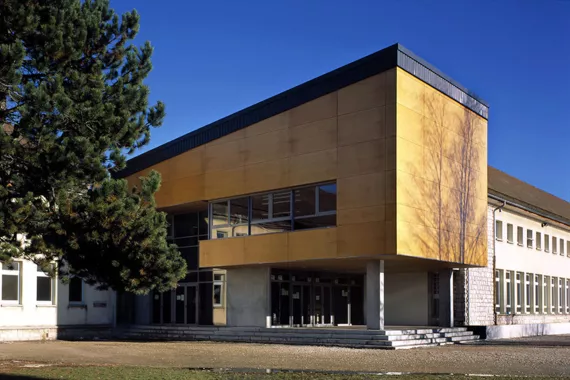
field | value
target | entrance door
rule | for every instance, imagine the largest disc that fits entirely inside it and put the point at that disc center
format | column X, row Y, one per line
column 340, row 301
column 322, row 305
column 191, row 308
column 186, row 304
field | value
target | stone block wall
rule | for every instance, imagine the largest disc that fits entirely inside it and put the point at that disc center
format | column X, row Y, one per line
column 474, row 297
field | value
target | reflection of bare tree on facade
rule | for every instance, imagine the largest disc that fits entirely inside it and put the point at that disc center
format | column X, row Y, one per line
column 448, row 194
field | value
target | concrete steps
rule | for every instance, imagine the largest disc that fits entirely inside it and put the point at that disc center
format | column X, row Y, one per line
column 387, row 339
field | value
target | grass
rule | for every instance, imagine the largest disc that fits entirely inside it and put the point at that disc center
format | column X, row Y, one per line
column 144, row 373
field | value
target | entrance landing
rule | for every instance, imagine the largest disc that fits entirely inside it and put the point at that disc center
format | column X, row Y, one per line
column 350, row 336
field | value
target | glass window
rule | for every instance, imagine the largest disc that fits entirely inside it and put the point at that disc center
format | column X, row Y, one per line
column 545, row 284
column 527, row 290
column 45, row 286
column 239, row 211
column 498, row 230
column 537, row 293
column 510, row 233
column 567, row 296
column 562, row 247
column 538, row 241
column 529, row 238
column 560, row 295
column 76, row 290
column 11, row 282
column 518, row 292
column 553, row 295
column 220, row 213
column 220, row 233
column 190, row 254
column 281, row 205
column 327, row 197
column 185, row 225
column 546, row 243
column 305, row 201
column 497, row 291
column 508, row 292
column 520, row 236
column 554, row 240
column 219, row 290
column 260, row 207
column 568, row 248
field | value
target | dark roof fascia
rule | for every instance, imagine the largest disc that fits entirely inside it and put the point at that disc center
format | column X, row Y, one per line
column 376, row 63
column 527, row 207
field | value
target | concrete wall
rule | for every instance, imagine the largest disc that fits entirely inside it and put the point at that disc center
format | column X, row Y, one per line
column 247, row 296
column 535, row 329
column 97, row 308
column 406, row 298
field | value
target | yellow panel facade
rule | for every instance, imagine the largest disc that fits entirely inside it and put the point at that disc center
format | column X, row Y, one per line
column 394, row 146
column 441, row 169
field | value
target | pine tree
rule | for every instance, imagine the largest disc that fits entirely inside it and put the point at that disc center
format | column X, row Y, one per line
column 72, row 106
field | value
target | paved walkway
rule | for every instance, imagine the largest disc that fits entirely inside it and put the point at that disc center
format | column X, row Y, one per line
column 531, row 356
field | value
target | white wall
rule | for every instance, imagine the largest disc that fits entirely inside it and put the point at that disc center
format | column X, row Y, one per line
column 406, row 298
column 29, row 312
column 511, row 256
column 247, row 296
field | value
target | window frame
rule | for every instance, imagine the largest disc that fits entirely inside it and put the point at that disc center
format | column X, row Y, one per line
column 8, row 272
column 53, row 283
column 518, row 292
column 538, row 239
column 520, row 236
column 560, row 295
column 498, row 290
column 508, row 293
column 82, row 301
column 554, row 245
column 270, row 210
column 561, row 246
column 529, row 238
column 220, row 282
column 510, row 233
column 567, row 306
column 498, row 230
column 547, row 243
column 537, row 294
column 528, row 277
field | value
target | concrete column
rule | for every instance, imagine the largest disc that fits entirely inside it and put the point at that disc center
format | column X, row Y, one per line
column 375, row 295
column 446, row 298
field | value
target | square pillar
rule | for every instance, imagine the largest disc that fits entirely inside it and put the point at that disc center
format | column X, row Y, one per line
column 375, row 295
column 446, row 298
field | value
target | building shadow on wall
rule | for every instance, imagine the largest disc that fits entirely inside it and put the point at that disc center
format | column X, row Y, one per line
column 447, row 220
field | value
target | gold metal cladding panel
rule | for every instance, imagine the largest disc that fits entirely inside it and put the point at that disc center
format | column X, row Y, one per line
column 441, row 181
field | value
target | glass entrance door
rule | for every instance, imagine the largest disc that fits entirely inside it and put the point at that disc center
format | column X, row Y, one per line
column 186, row 304
column 322, row 310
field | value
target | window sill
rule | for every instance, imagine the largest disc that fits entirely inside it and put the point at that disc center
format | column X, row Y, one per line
column 510, row 242
column 219, row 306
column 51, row 305
column 11, row 305
column 497, row 239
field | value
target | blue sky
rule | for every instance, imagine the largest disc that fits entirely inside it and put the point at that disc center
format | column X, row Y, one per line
column 213, row 58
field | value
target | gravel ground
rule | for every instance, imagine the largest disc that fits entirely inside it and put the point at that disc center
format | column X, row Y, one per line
column 530, row 356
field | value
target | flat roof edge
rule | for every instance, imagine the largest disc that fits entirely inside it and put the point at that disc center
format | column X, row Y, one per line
column 392, row 56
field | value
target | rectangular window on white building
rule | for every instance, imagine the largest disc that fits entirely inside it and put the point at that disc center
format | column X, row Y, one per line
column 508, row 292
column 527, row 292
column 498, row 291
column 560, row 295
column 510, row 233
column 537, row 294
column 538, row 241
column 561, row 241
column 10, row 287
column 568, row 248
column 545, row 297
column 546, row 243
column 45, row 287
column 518, row 292
column 567, row 296
column 76, row 290
column 553, row 295
column 498, row 230
column 218, row 290
column 529, row 238
column 554, row 240
column 520, row 237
